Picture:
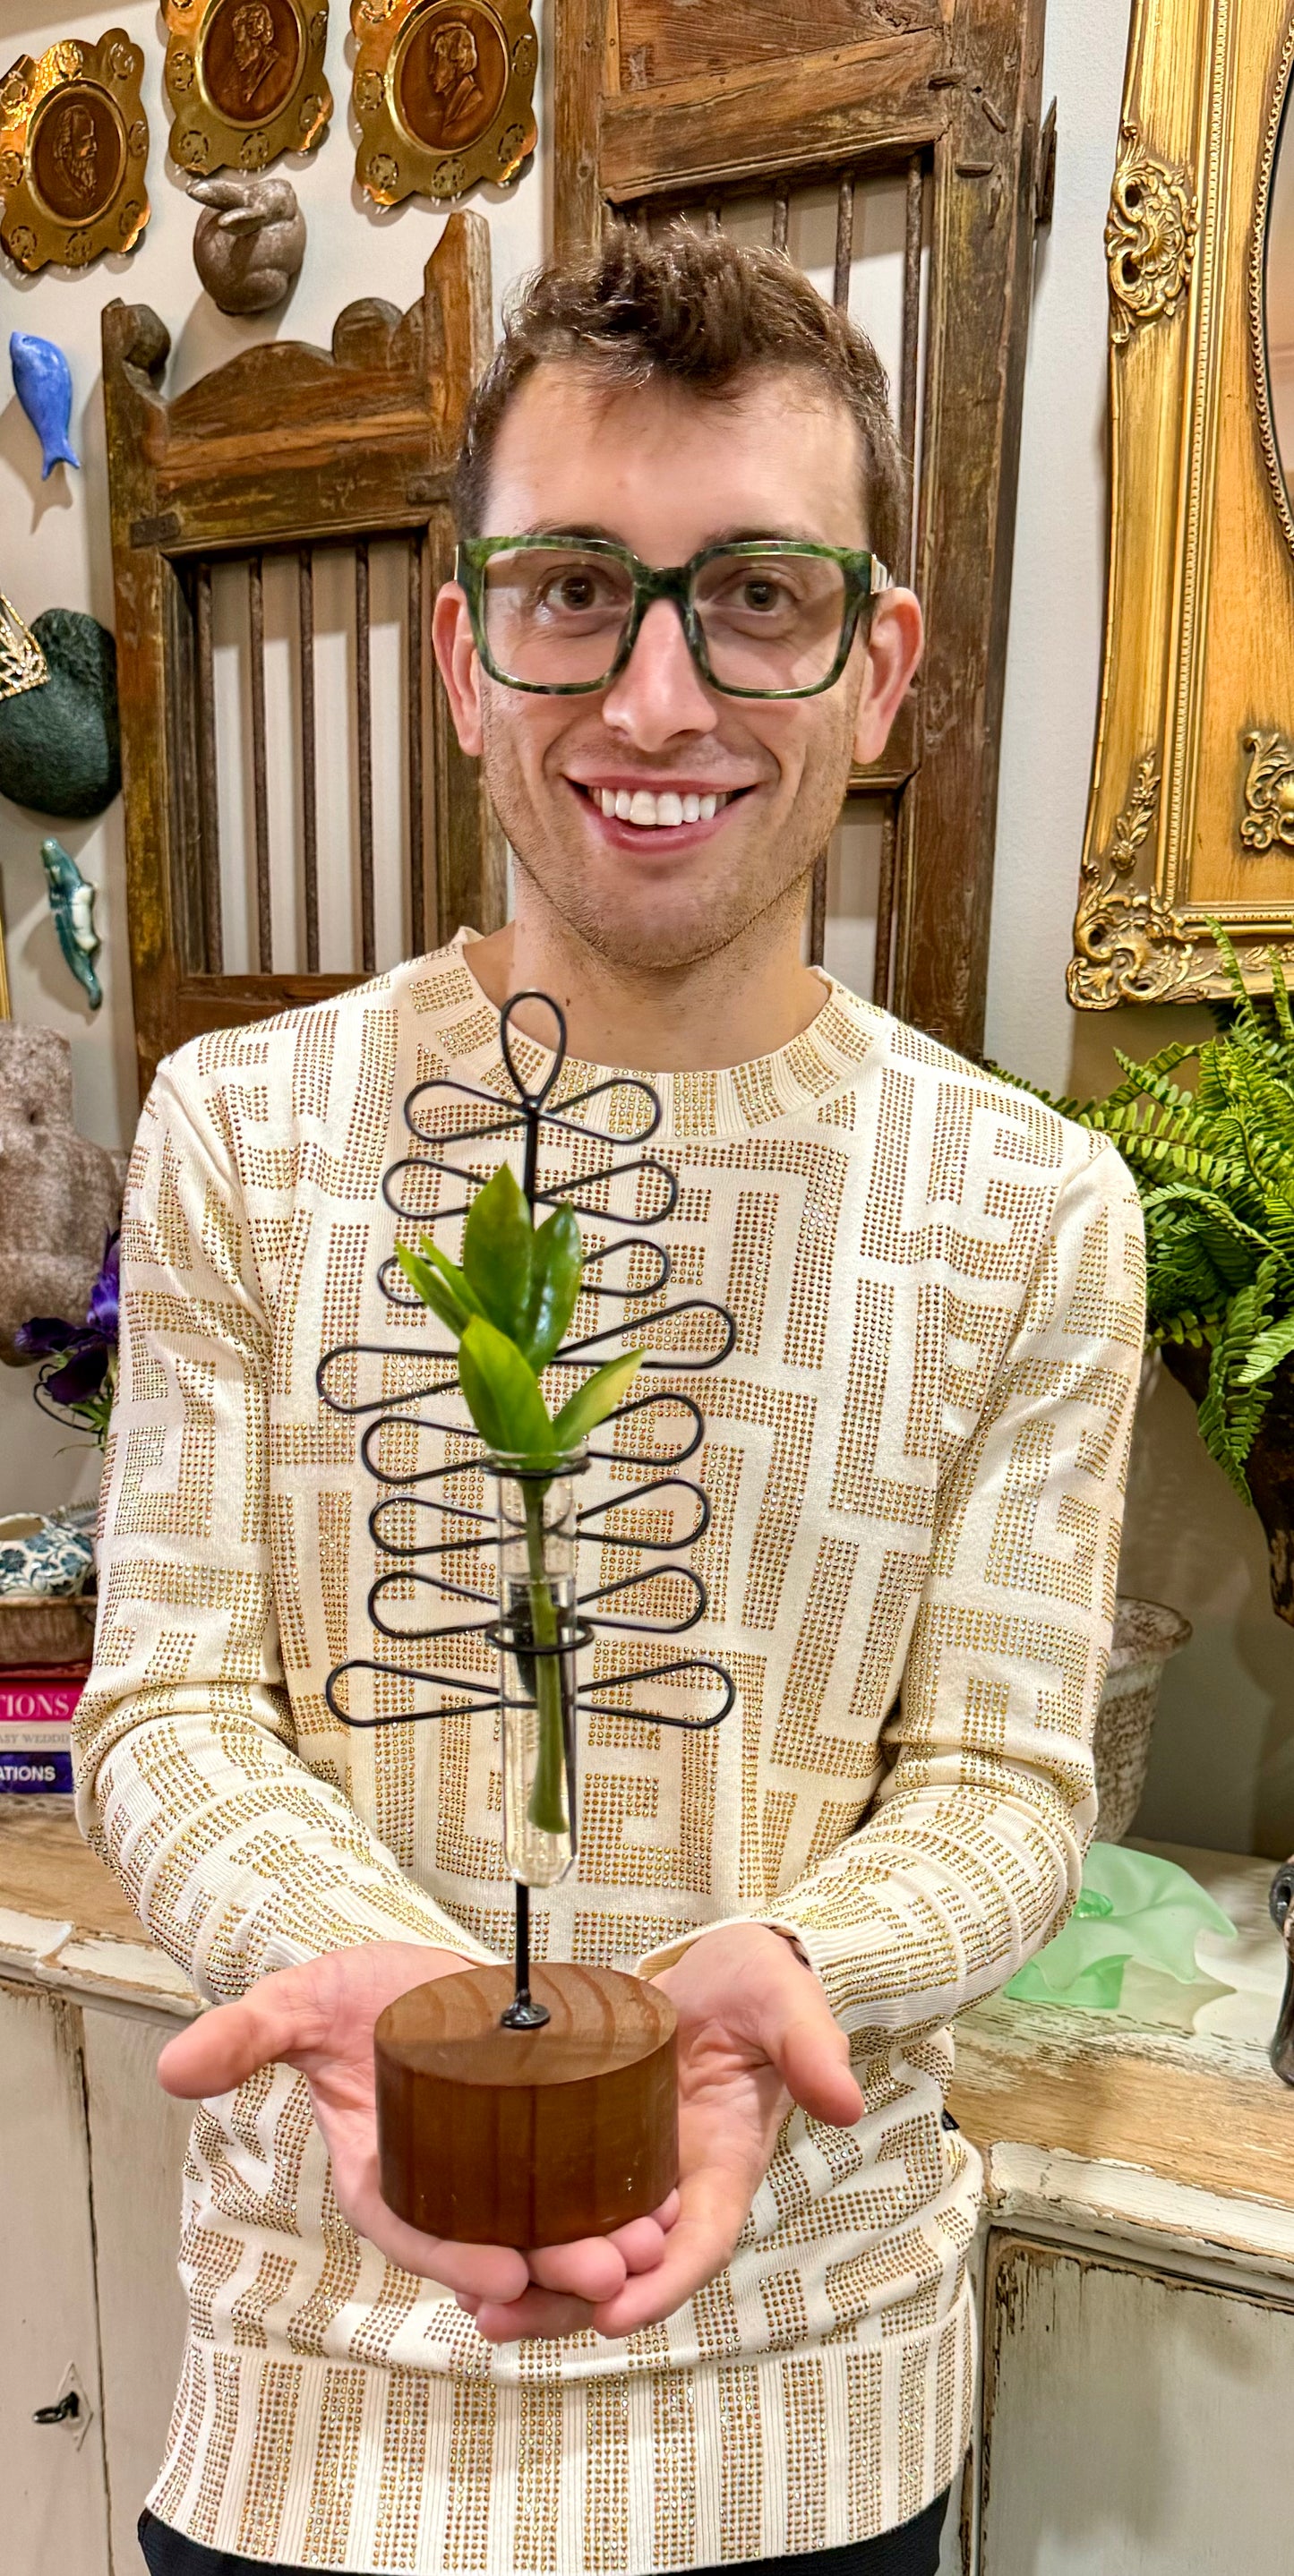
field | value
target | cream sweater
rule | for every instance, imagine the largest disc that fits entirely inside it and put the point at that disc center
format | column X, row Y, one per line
column 915, row 1457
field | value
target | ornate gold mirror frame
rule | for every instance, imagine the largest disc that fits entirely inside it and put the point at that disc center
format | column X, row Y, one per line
column 1192, row 806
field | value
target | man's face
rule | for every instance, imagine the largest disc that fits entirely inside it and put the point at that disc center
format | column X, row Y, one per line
column 252, row 32
column 667, row 473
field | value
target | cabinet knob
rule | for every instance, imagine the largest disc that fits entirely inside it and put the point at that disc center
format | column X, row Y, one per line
column 68, row 2406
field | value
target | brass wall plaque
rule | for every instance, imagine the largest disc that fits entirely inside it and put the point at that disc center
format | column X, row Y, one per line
column 443, row 94
column 245, row 79
column 73, row 152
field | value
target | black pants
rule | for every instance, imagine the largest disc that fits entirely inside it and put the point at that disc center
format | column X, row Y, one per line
column 912, row 2550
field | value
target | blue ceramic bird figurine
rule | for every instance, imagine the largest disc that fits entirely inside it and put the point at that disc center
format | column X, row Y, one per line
column 71, row 900
column 43, row 383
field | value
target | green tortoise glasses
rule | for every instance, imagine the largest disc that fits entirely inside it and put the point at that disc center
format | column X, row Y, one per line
column 764, row 617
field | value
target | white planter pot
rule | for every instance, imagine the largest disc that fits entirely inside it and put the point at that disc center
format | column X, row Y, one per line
column 1146, row 1633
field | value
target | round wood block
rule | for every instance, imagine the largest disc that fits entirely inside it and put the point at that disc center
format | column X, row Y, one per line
column 527, row 2137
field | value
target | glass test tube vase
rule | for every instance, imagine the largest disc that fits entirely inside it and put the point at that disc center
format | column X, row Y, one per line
column 537, row 1632
column 530, row 2106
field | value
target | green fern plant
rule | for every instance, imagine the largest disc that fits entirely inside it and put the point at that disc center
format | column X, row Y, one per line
column 1214, row 1166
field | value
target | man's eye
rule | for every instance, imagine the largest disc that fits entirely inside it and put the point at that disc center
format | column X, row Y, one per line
column 572, row 594
column 761, row 592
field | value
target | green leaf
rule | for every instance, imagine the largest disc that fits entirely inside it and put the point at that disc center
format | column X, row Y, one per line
column 502, row 1393
column 456, row 1278
column 499, row 1252
column 554, row 1285
column 435, row 1291
column 1267, row 1353
column 592, row 1402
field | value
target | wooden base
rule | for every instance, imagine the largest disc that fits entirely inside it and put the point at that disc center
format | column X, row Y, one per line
column 511, row 2137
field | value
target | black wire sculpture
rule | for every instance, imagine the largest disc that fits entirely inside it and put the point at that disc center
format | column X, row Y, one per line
column 488, row 1117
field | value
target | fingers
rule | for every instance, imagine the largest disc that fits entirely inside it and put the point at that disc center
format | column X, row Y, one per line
column 695, row 2249
column 640, row 2244
column 322, row 2010
column 495, row 2272
column 811, row 2054
column 591, row 2268
column 274, row 2019
column 714, row 2199
column 536, row 2313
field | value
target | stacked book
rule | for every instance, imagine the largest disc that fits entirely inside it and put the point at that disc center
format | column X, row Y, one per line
column 36, row 1706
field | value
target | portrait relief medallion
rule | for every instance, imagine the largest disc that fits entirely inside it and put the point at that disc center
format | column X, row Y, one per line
column 444, row 88
column 78, row 150
column 251, row 55
column 73, row 152
column 245, row 80
column 451, row 75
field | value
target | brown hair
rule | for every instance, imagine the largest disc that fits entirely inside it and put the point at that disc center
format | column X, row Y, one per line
column 703, row 311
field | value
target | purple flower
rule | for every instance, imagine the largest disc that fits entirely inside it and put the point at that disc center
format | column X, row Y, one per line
column 104, row 1296
column 44, row 1334
column 85, row 1352
column 85, row 1366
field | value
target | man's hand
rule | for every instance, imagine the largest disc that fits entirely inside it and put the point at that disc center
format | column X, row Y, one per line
column 320, row 2018
column 755, row 2034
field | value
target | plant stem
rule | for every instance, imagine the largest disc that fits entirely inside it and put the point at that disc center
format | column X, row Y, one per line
column 547, row 1808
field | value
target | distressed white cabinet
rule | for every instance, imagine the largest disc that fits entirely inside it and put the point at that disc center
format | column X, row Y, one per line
column 1135, row 2421
column 91, row 2153
column 1135, row 2268
column 55, row 2504
column 138, row 2137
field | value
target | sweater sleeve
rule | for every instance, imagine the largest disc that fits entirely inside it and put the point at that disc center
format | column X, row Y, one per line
column 970, row 1855
column 238, row 1858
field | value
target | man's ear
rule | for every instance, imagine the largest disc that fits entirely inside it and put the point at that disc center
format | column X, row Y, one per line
column 460, row 668
column 893, row 650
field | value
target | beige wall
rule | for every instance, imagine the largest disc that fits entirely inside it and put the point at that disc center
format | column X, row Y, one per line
column 1223, row 1770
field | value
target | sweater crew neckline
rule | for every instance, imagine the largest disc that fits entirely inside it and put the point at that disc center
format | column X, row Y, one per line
column 793, row 1081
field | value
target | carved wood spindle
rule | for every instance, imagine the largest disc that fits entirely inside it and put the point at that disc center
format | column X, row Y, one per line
column 208, row 787
column 260, row 792
column 364, row 757
column 414, row 685
column 309, row 777
column 885, row 900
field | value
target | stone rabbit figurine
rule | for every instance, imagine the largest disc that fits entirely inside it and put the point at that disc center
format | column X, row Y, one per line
column 60, row 1195
column 250, row 240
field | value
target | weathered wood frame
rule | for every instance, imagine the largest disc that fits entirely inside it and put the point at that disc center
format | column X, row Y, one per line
column 283, row 447
column 768, row 98
column 1189, row 817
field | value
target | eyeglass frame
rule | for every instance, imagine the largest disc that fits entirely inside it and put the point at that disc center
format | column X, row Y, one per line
column 866, row 577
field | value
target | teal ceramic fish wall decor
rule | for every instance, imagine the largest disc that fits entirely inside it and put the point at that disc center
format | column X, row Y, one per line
column 71, row 900
column 43, row 383
column 60, row 743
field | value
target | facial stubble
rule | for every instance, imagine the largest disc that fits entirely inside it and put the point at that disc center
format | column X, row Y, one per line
column 686, row 926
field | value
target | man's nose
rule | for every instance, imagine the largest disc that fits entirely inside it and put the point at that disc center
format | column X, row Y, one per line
column 660, row 692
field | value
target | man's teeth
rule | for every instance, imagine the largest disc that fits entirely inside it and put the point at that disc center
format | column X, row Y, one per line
column 667, row 808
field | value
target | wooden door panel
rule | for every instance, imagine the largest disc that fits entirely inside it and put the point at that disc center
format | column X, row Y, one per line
column 661, row 40
column 663, row 108
column 766, row 122
column 284, row 454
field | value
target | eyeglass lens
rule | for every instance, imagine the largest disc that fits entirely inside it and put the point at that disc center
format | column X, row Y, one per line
column 555, row 616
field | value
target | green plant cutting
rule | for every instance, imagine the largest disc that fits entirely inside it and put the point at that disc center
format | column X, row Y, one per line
column 1214, row 1168
column 508, row 1307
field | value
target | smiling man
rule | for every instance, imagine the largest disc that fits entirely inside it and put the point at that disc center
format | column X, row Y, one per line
column 671, row 632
